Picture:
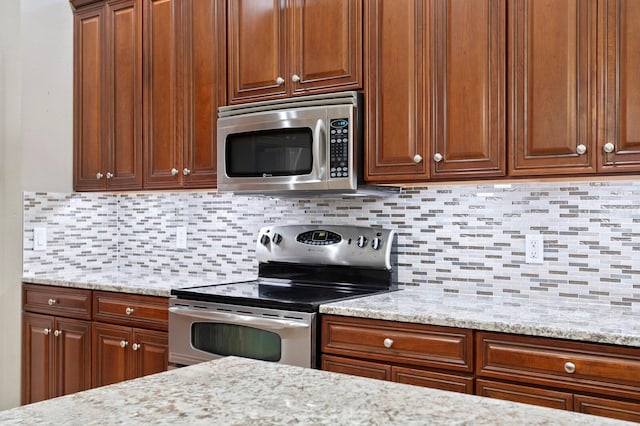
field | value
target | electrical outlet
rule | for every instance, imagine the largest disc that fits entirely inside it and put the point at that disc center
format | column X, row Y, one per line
column 534, row 249
column 39, row 238
column 181, row 237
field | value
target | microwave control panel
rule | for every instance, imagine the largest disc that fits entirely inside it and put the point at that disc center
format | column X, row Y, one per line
column 339, row 148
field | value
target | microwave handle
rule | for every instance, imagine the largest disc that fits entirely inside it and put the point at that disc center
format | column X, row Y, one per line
column 237, row 319
column 321, row 148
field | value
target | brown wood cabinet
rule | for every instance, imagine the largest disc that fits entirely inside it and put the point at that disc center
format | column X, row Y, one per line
column 293, row 47
column 552, row 87
column 184, row 63
column 438, row 357
column 56, row 342
column 579, row 376
column 64, row 351
column 619, row 139
column 108, row 96
column 123, row 353
column 435, row 107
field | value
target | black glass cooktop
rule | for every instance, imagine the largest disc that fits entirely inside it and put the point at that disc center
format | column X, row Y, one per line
column 275, row 294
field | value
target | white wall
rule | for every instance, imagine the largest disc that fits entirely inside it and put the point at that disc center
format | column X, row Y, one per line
column 36, row 92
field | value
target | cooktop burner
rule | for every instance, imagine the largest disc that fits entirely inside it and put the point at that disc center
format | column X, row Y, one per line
column 273, row 294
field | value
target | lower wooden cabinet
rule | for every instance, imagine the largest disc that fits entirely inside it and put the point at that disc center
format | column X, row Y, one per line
column 123, row 353
column 56, row 356
column 436, row 357
column 63, row 351
column 586, row 377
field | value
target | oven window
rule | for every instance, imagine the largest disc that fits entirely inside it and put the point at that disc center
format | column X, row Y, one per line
column 280, row 152
column 240, row 340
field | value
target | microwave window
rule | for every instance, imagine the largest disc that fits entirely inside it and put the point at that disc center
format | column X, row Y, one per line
column 239, row 340
column 280, row 152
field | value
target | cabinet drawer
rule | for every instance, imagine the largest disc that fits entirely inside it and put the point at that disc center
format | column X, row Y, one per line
column 432, row 379
column 59, row 301
column 355, row 367
column 621, row 410
column 131, row 310
column 401, row 343
column 525, row 394
column 558, row 363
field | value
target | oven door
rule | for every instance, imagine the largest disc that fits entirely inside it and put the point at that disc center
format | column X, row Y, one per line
column 204, row 331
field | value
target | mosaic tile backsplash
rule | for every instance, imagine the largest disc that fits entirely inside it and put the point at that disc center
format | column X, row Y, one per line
column 461, row 238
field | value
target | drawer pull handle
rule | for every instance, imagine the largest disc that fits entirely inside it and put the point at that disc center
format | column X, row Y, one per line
column 123, row 343
column 136, row 346
column 57, row 333
column 128, row 311
column 51, row 302
column 387, row 343
column 46, row 331
column 569, row 367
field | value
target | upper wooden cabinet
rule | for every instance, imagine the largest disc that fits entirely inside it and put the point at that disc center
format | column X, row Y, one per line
column 108, row 96
column 184, row 59
column 552, row 86
column 279, row 48
column 619, row 140
column 435, row 107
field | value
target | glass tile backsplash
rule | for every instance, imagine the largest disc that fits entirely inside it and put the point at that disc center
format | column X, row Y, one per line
column 463, row 238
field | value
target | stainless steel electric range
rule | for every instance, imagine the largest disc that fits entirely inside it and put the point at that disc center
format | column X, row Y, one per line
column 275, row 317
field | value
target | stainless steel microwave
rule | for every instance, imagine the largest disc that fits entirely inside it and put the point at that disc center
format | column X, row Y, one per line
column 304, row 144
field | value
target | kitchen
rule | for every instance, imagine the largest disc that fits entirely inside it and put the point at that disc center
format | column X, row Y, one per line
column 463, row 242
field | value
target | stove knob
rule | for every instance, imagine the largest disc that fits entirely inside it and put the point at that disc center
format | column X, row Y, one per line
column 361, row 241
column 376, row 243
column 276, row 238
column 264, row 240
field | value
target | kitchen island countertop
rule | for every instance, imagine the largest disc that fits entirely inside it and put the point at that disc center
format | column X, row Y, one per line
column 241, row 391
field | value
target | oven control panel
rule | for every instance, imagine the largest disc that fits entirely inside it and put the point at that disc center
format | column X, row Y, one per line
column 326, row 245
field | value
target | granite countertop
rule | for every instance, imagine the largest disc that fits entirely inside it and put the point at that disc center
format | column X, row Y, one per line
column 244, row 392
column 581, row 321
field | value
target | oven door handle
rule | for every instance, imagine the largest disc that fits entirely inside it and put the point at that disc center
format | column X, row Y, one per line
column 237, row 319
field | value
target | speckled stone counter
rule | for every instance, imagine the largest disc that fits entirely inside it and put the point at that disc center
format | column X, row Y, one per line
column 559, row 319
column 150, row 284
column 236, row 391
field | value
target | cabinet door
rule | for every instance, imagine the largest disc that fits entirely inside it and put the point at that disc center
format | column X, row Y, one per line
column 162, row 109
column 326, row 39
column 38, row 374
column 205, row 79
column 124, row 94
column 621, row 98
column 552, row 82
column 257, row 50
column 525, row 394
column 111, row 355
column 88, row 105
column 72, row 356
column 150, row 351
column 397, row 93
column 621, row 410
column 432, row 379
column 469, row 85
column 354, row 367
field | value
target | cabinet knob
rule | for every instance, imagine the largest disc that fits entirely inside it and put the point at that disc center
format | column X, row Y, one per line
column 186, row 171
column 295, row 78
column 581, row 149
column 569, row 367
column 123, row 343
column 128, row 311
column 387, row 343
column 99, row 175
column 609, row 147
column 51, row 302
column 174, row 172
column 280, row 81
column 417, row 158
column 46, row 331
column 437, row 157
column 136, row 346
column 109, row 175
column 57, row 333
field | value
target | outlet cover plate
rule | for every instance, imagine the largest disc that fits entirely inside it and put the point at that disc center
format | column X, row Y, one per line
column 39, row 239
column 534, row 248
column 181, row 237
